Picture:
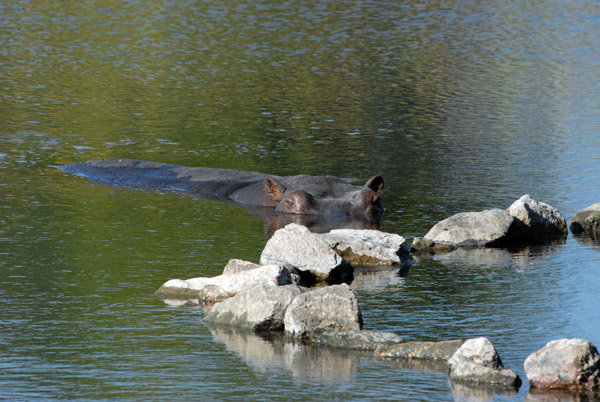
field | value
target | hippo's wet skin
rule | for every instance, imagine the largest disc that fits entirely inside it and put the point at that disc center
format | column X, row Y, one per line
column 299, row 195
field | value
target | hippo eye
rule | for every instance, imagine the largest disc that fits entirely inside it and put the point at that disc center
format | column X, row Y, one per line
column 289, row 202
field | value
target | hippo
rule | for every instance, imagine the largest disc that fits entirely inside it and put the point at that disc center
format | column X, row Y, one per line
column 298, row 195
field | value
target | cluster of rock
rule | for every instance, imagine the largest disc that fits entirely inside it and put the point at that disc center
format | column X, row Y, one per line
column 294, row 255
column 526, row 221
column 279, row 294
column 331, row 316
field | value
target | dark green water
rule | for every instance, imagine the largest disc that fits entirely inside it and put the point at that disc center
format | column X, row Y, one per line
column 461, row 106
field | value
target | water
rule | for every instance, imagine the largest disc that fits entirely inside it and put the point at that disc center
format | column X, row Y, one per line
column 461, row 106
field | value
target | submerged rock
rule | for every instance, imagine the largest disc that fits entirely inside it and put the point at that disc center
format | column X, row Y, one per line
column 420, row 350
column 477, row 361
column 564, row 363
column 260, row 308
column 331, row 308
column 296, row 246
column 230, row 283
column 356, row 340
column 587, row 221
column 540, row 219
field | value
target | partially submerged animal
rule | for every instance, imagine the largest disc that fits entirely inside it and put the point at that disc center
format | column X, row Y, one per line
column 301, row 195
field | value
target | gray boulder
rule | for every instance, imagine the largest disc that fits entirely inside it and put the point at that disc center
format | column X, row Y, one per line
column 356, row 340
column 369, row 247
column 587, row 221
column 179, row 289
column 564, row 363
column 235, row 266
column 477, row 361
column 490, row 228
column 442, row 350
column 326, row 309
column 260, row 308
column 540, row 219
column 296, row 246
column 212, row 294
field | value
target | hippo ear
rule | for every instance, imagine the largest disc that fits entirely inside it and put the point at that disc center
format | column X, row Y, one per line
column 274, row 189
column 375, row 183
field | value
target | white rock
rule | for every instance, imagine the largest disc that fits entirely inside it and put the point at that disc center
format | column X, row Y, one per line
column 274, row 275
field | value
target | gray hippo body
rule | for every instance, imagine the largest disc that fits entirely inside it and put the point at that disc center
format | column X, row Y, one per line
column 299, row 195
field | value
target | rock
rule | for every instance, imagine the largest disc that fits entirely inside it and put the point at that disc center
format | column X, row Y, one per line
column 357, row 340
column 211, row 294
column 490, row 228
column 260, row 308
column 331, row 308
column 369, row 247
column 587, row 221
column 235, row 266
column 541, row 220
column 230, row 283
column 477, row 361
column 296, row 246
column 420, row 350
column 564, row 363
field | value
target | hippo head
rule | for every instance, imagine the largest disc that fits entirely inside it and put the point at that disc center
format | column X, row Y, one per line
column 326, row 195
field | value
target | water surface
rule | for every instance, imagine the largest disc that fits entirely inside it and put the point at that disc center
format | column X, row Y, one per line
column 461, row 106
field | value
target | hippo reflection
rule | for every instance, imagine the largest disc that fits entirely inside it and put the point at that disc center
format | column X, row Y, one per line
column 290, row 195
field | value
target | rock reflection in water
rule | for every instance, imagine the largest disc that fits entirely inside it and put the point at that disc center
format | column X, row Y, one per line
column 272, row 352
column 498, row 256
column 378, row 279
column 484, row 392
column 558, row 395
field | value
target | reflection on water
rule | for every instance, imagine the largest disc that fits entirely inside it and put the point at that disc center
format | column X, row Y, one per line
column 524, row 258
column 478, row 392
column 316, row 223
column 460, row 106
column 312, row 364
